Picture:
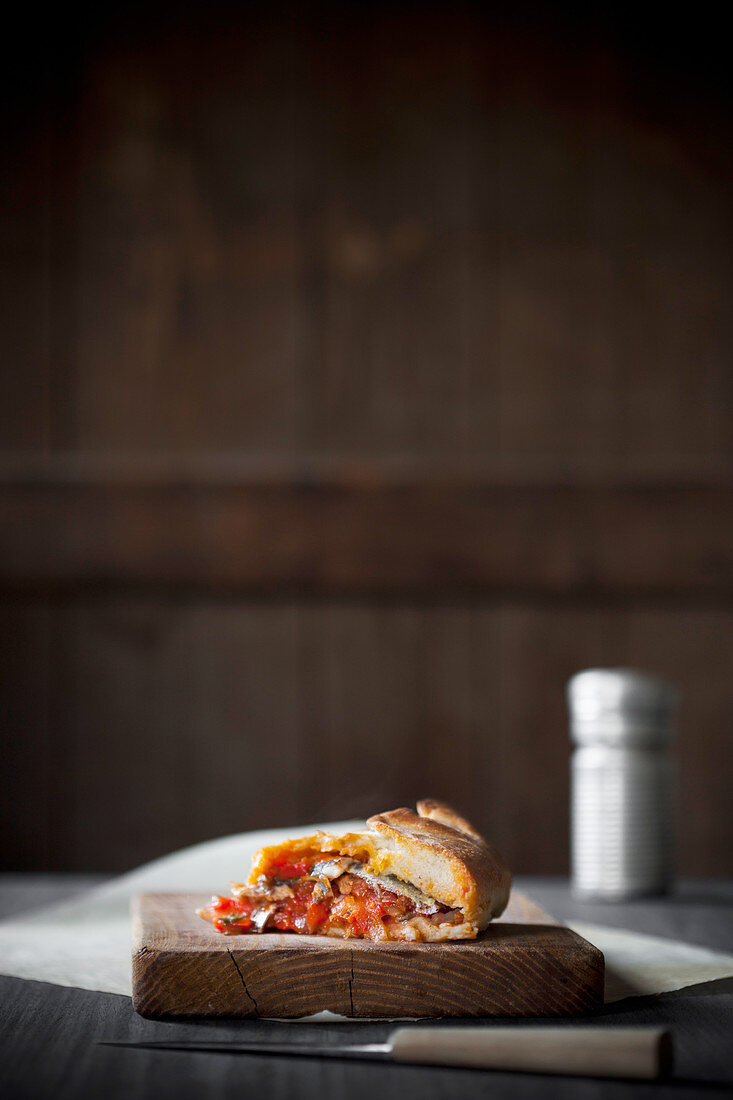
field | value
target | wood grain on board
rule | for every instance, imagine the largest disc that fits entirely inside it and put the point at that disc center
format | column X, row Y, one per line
column 524, row 964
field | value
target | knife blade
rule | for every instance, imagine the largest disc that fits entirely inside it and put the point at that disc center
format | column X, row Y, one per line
column 638, row 1053
column 376, row 1051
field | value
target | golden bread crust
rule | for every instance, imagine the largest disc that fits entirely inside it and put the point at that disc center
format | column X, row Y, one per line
column 455, row 865
column 446, row 815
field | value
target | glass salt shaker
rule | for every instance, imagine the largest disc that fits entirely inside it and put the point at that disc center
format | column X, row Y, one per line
column 621, row 722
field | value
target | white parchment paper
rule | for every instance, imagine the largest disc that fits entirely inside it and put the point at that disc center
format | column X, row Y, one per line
column 86, row 942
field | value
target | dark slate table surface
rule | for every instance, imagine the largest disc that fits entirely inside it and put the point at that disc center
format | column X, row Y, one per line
column 49, row 1034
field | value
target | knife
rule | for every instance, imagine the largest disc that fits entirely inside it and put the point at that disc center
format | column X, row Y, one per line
column 640, row 1053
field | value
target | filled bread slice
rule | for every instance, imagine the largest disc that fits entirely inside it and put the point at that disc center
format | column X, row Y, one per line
column 420, row 877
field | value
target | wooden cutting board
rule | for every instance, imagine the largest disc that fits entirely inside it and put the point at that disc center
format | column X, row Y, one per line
column 525, row 964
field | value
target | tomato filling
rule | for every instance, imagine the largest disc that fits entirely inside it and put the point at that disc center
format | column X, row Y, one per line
column 296, row 902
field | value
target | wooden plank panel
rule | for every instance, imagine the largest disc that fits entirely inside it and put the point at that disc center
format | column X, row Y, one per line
column 189, row 253
column 359, row 690
column 134, row 727
column 510, row 256
column 392, row 146
column 28, row 785
column 25, row 339
column 360, row 237
column 184, row 726
column 357, row 535
column 693, row 651
column 397, row 706
column 451, row 727
column 609, row 304
column 537, row 650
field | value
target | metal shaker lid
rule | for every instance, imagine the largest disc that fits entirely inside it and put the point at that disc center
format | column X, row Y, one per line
column 620, row 706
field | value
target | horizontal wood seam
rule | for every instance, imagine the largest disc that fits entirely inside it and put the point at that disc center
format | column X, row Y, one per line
column 340, row 539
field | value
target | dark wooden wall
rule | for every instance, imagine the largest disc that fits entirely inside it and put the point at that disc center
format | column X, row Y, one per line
column 363, row 377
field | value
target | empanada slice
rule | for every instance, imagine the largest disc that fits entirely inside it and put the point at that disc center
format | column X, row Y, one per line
column 415, row 877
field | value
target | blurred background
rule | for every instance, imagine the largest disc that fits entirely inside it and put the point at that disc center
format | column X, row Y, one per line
column 365, row 372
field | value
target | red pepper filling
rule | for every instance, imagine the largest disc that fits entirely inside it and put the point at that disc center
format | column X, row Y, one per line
column 228, row 914
column 282, row 866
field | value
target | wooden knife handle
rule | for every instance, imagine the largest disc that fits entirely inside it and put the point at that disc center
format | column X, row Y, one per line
column 643, row 1053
